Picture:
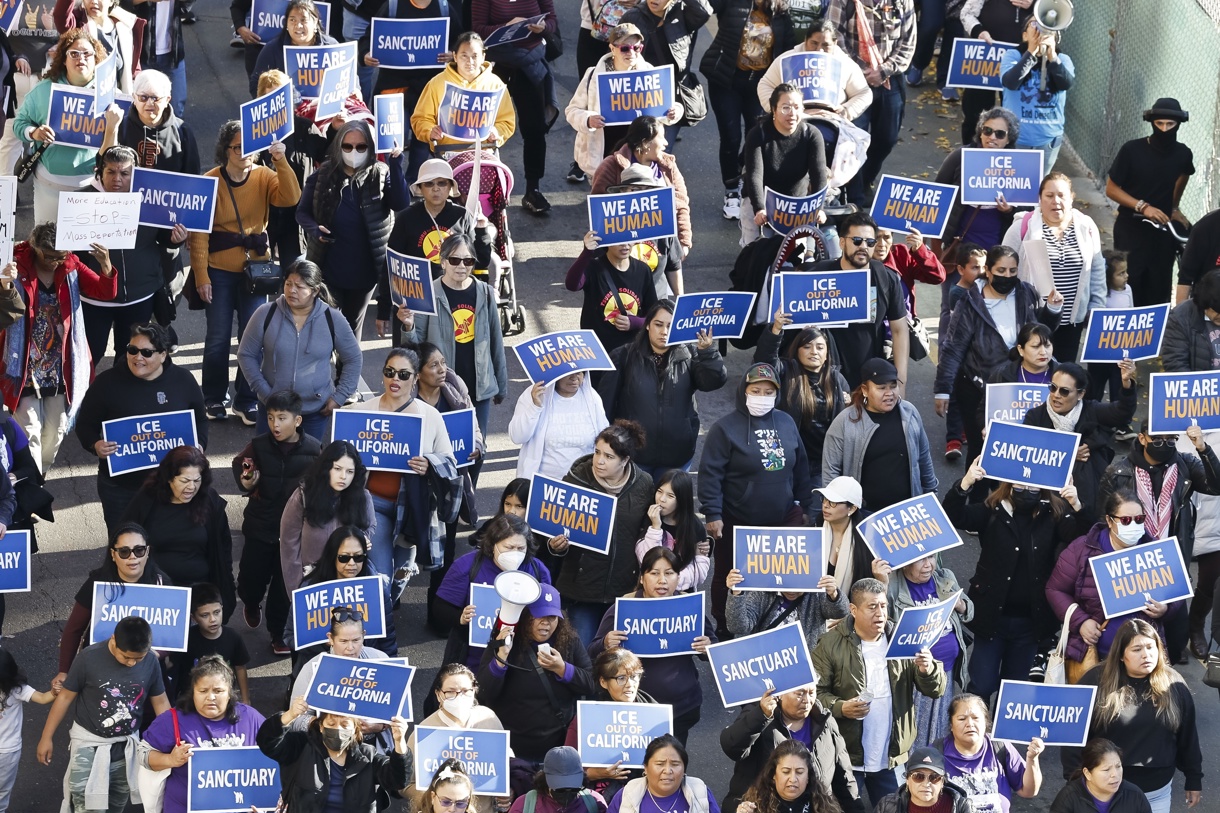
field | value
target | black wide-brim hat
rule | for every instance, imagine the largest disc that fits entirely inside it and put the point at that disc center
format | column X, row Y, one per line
column 1167, row 108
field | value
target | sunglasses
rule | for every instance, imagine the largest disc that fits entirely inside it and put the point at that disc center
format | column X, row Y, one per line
column 445, row 182
column 356, row 147
column 1138, row 519
column 920, row 777
column 140, row 551
column 863, row 241
column 987, row 131
column 1161, row 443
column 1064, row 391
column 629, row 49
column 466, row 261
column 82, row 55
column 358, row 558
column 453, row 804
column 403, row 375
column 145, row 98
column 342, row 614
column 146, row 352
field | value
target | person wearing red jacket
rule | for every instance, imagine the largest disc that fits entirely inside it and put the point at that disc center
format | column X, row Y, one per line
column 912, row 261
column 47, row 367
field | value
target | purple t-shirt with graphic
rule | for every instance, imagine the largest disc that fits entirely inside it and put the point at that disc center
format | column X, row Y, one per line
column 988, row 783
column 945, row 649
column 200, row 733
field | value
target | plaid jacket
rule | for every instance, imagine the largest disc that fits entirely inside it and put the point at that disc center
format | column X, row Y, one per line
column 893, row 29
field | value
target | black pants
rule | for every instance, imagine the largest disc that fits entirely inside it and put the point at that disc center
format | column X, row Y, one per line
column 259, row 574
column 285, row 234
column 1066, row 339
column 1150, row 257
column 974, row 103
column 354, row 305
column 101, row 321
column 969, row 403
column 589, row 49
column 114, row 499
column 1205, row 590
column 1101, row 374
column 435, row 577
column 530, row 101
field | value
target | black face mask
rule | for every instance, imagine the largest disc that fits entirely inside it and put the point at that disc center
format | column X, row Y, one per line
column 1158, row 453
column 564, row 796
column 1004, row 285
column 1163, row 140
column 1025, row 501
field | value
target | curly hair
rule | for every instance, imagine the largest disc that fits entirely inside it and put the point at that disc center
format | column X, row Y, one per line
column 764, row 794
column 58, row 70
column 183, row 457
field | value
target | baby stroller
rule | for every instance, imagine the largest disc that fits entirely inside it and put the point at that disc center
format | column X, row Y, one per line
column 495, row 184
column 759, row 262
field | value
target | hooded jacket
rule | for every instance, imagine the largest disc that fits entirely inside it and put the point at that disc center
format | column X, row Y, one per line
column 1186, row 347
column 898, row 592
column 900, row 802
column 682, row 22
column 847, row 441
column 531, row 423
column 176, row 147
column 855, row 96
column 424, row 117
column 754, row 469
column 490, row 367
column 140, row 271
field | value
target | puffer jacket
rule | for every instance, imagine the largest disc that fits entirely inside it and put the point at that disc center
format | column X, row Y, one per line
column 683, row 19
column 899, row 595
column 596, row 577
column 719, row 63
column 1185, row 347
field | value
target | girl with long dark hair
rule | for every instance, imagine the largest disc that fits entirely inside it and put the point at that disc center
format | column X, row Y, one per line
column 672, row 523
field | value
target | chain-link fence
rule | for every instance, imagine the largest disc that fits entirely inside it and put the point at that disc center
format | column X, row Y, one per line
column 1129, row 53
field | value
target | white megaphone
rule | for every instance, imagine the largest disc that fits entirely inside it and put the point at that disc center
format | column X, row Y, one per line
column 1053, row 16
column 517, row 591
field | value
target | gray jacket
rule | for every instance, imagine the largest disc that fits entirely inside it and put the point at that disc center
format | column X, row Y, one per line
column 899, row 594
column 274, row 355
column 746, row 614
column 490, row 368
column 847, row 440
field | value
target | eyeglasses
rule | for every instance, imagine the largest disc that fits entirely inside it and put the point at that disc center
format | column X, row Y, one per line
column 146, row 352
column 356, row 147
column 630, row 677
column 987, row 131
column 342, row 614
column 82, row 55
column 401, row 375
column 450, row 695
column 1064, row 391
column 863, row 241
column 629, row 49
column 358, row 558
column 235, row 148
column 1138, row 519
column 453, row 804
column 466, row 261
column 145, row 98
column 920, row 777
column 140, row 552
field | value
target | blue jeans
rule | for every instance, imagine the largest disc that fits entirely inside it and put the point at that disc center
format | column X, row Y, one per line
column 1160, row 800
column 585, row 617
column 931, row 20
column 177, row 79
column 1050, row 150
column 879, row 784
column 229, row 296
column 736, row 109
column 883, row 120
column 385, row 555
column 355, row 27
column 1006, row 655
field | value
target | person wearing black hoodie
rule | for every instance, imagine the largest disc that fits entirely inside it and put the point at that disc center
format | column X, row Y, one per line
column 754, row 471
column 150, row 127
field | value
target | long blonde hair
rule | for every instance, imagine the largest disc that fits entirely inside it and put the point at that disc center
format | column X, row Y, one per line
column 1115, row 692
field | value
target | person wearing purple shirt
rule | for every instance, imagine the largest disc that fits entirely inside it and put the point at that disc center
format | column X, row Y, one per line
column 665, row 786
column 988, row 771
column 208, row 716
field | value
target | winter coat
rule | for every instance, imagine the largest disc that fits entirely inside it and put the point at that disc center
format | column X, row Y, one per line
column 600, row 578
column 719, row 63
column 305, row 770
column 490, row 367
column 1000, row 544
column 1185, row 347
column 1075, row 798
column 610, row 171
column 747, row 613
column 751, row 737
column 899, row 594
column 663, row 401
column 698, row 796
column 176, row 147
column 424, row 117
column 683, row 19
column 279, row 475
column 1091, row 288
column 900, row 802
column 848, row 438
column 839, row 664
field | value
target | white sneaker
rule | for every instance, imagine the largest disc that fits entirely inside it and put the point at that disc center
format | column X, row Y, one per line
column 732, row 204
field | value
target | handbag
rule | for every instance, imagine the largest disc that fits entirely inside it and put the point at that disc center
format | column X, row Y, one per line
column 949, row 253
column 554, row 46
column 263, row 277
column 1076, row 669
column 27, row 164
column 1056, row 672
column 152, row 783
column 1211, row 670
column 693, row 99
column 920, row 342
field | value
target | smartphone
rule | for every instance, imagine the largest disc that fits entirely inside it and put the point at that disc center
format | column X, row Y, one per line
column 545, row 649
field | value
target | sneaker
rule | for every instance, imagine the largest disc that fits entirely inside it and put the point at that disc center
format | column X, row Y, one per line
column 216, row 412
column 1037, row 670
column 949, row 94
column 953, row 451
column 576, row 174
column 280, row 649
column 252, row 615
column 732, row 204
column 914, row 76
column 248, row 416
column 535, row 202
column 236, row 41
column 1127, row 432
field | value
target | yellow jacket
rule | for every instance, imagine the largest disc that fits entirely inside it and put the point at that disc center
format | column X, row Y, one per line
column 424, row 117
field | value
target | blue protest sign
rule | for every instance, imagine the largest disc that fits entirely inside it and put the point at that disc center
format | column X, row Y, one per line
column 386, row 441
column 919, row 627
column 266, row 120
column 168, row 198
column 460, row 426
column 1010, row 402
column 305, row 64
column 1129, row 577
column 787, row 559
column 785, row 213
column 409, row 44
column 311, row 608
column 824, row 298
column 338, row 82
column 976, row 63
column 266, row 17
column 585, row 516
column 725, row 313
column 166, row 609
column 10, row 13
column 554, row 355
column 370, row 689
column 662, row 626
column 631, row 217
column 909, row 530
column 144, row 439
column 15, row 562
column 624, row 96
column 1115, row 334
column 1056, row 714
column 905, row 204
column 486, row 603
column 70, row 115
column 611, row 733
column 483, row 753
column 105, row 84
column 410, row 282
column 468, row 115
column 747, row 668
column 1029, row 455
column 390, row 111
column 1177, row 401
column 513, row 32
column 231, row 779
column 819, row 76
column 1015, row 174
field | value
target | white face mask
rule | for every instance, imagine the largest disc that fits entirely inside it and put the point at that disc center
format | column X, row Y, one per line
column 1131, row 534
column 759, row 405
column 459, row 707
column 354, row 159
column 510, row 560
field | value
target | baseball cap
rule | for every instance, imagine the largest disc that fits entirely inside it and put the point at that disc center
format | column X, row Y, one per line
column 762, row 372
column 636, row 175
column 843, row 489
column 431, row 170
column 878, row 371
column 548, row 603
column 930, row 759
column 624, row 30
column 562, row 768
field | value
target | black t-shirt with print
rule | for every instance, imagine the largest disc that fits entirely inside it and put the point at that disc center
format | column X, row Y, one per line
column 110, row 697
column 461, row 305
column 635, row 291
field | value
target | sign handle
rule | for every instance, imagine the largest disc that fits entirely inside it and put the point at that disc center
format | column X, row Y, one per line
column 472, row 195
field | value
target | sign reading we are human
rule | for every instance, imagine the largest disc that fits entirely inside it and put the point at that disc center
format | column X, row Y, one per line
column 909, row 530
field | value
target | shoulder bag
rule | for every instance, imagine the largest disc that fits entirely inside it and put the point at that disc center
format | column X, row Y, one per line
column 263, row 277
column 152, row 783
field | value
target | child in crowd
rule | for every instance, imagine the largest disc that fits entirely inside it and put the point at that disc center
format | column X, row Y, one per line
column 968, row 266
column 971, row 262
column 14, row 690
column 267, row 471
column 209, row 636
column 1118, row 295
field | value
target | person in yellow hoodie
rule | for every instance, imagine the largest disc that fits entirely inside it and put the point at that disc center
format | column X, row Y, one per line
column 470, row 71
